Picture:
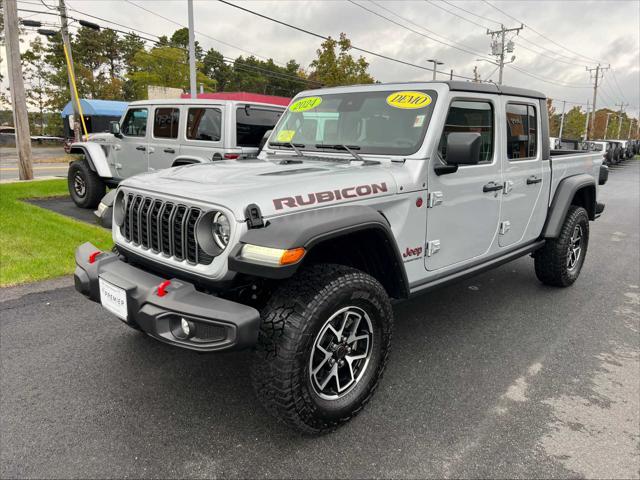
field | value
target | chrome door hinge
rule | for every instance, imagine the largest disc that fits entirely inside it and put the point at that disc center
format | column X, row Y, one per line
column 434, row 199
column 508, row 186
column 433, row 247
column 505, row 227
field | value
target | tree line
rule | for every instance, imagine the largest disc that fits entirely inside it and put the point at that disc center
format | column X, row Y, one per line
column 109, row 66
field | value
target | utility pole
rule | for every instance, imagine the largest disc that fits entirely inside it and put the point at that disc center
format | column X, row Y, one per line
column 16, row 86
column 192, row 52
column 476, row 74
column 499, row 48
column 66, row 44
column 564, row 103
column 586, row 124
column 630, row 125
column 435, row 63
column 621, row 105
column 606, row 125
column 599, row 73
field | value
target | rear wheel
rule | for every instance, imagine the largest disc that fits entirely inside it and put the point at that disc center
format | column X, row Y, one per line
column 85, row 186
column 559, row 262
column 322, row 348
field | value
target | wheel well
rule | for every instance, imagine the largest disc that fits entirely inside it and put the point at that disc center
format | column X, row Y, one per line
column 586, row 198
column 369, row 251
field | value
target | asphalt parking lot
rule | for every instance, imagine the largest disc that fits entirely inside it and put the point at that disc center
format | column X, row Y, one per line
column 499, row 376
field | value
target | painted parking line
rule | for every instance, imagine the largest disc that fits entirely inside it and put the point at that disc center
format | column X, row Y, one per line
column 15, row 169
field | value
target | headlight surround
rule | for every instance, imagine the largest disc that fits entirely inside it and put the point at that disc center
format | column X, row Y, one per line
column 213, row 232
column 221, row 230
column 119, row 206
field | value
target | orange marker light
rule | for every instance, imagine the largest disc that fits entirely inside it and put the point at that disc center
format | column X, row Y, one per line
column 292, row 256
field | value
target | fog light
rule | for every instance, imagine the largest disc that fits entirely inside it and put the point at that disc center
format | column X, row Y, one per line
column 187, row 327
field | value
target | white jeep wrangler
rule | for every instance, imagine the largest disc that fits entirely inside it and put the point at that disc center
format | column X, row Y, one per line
column 363, row 194
column 182, row 131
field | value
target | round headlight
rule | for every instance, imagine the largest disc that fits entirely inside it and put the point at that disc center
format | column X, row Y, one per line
column 221, row 229
column 119, row 206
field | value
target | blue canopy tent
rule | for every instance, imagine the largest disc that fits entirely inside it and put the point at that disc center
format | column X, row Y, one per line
column 98, row 114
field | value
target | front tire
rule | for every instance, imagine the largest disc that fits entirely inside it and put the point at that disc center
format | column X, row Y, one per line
column 559, row 262
column 322, row 348
column 85, row 186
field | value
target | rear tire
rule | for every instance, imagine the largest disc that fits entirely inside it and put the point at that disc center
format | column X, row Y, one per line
column 85, row 186
column 559, row 262
column 322, row 348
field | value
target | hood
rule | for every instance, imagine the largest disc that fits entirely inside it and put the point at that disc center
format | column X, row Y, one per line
column 277, row 187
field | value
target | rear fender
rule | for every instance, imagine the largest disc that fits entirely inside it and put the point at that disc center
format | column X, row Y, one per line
column 574, row 190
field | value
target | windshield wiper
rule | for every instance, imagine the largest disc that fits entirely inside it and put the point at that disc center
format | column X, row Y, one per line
column 348, row 148
column 295, row 146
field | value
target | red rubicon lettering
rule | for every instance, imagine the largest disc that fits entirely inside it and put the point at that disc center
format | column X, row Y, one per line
column 329, row 196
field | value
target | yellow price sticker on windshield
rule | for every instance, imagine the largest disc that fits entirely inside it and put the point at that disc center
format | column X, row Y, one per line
column 304, row 104
column 285, row 135
column 408, row 100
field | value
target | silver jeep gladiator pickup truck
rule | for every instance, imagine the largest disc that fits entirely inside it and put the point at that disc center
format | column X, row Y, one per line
column 363, row 194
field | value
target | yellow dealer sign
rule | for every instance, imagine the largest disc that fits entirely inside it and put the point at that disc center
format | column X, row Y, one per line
column 408, row 100
column 305, row 104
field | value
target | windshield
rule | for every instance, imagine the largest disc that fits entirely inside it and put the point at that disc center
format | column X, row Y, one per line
column 376, row 122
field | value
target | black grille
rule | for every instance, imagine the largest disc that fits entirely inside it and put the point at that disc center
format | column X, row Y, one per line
column 163, row 227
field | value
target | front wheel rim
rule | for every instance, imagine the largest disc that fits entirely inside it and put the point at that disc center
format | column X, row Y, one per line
column 341, row 353
column 575, row 248
column 79, row 185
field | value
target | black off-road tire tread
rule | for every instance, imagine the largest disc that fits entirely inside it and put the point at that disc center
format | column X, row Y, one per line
column 551, row 260
column 96, row 189
column 274, row 372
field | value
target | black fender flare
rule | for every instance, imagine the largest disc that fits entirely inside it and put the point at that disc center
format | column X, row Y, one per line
column 562, row 200
column 310, row 229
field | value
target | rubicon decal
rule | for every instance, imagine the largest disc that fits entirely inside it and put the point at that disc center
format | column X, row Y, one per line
column 329, row 196
column 412, row 252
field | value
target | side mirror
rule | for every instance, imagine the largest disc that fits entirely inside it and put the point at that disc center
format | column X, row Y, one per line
column 263, row 140
column 115, row 129
column 463, row 148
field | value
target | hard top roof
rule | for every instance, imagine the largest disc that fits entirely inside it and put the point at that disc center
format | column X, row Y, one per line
column 201, row 101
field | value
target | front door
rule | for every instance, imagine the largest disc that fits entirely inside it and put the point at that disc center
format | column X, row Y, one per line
column 523, row 175
column 464, row 207
column 130, row 150
column 164, row 146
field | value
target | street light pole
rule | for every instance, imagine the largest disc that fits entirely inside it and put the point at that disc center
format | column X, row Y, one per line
column 192, row 52
column 16, row 86
column 564, row 103
column 435, row 62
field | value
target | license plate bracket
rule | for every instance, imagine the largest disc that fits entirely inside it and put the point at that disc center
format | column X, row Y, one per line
column 113, row 298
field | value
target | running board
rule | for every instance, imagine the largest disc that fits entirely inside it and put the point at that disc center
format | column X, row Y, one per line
column 465, row 273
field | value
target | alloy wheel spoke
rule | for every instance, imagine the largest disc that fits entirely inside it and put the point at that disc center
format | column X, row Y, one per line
column 332, row 373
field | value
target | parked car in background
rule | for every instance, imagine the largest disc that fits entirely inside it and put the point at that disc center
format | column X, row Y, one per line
column 157, row 134
column 363, row 194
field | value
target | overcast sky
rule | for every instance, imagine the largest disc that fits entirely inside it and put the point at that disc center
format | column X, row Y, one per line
column 577, row 33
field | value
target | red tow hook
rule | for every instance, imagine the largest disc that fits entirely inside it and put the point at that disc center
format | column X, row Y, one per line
column 93, row 255
column 162, row 288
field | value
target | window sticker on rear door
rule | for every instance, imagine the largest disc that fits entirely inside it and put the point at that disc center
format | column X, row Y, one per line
column 408, row 100
column 285, row 135
column 419, row 121
column 304, row 104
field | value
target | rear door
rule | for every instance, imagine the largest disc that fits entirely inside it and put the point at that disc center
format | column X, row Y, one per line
column 130, row 150
column 464, row 207
column 522, row 171
column 164, row 145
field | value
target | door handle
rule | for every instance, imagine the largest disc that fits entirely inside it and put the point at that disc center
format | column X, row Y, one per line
column 141, row 148
column 169, row 150
column 492, row 187
column 533, row 179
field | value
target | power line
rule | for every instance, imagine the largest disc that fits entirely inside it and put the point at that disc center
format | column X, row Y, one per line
column 618, row 85
column 540, row 34
column 546, row 80
column 201, row 33
column 317, row 35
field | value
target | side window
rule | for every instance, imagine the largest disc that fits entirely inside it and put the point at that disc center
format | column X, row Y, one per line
column 204, row 124
column 470, row 116
column 522, row 131
column 165, row 123
column 252, row 123
column 135, row 123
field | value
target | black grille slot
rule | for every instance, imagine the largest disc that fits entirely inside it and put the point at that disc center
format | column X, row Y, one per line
column 205, row 331
column 164, row 227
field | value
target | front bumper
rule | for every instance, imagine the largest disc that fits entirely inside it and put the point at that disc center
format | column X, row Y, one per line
column 219, row 324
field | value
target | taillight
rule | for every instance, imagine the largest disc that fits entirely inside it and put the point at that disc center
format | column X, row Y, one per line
column 231, row 156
